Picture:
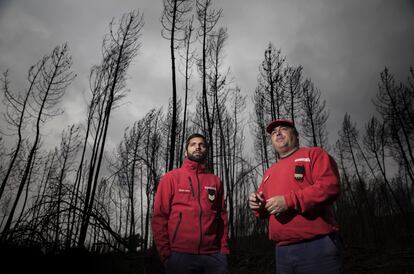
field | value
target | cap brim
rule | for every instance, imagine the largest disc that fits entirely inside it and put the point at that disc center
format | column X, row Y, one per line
column 277, row 123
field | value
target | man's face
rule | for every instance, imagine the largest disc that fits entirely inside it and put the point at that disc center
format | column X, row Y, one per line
column 196, row 149
column 284, row 139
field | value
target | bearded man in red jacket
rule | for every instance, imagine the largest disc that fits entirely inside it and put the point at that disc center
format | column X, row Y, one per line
column 190, row 222
column 296, row 195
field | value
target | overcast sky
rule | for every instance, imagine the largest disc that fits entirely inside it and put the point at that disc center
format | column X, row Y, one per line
column 342, row 45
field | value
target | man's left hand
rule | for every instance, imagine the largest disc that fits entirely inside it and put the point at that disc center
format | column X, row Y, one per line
column 276, row 205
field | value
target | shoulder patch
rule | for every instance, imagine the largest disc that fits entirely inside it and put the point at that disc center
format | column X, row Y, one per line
column 303, row 160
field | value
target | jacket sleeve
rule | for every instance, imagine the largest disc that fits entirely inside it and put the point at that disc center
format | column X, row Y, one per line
column 162, row 208
column 224, row 246
column 324, row 187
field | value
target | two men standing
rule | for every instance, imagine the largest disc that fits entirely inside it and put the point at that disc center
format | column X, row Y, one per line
column 190, row 223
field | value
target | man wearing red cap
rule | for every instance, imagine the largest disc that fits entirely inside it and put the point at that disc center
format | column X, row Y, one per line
column 296, row 195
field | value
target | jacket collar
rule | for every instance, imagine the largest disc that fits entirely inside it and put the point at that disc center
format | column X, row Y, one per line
column 193, row 166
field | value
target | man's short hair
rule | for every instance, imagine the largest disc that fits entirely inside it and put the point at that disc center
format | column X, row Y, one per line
column 195, row 135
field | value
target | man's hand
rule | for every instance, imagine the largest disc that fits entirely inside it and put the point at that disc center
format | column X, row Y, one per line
column 256, row 200
column 276, row 205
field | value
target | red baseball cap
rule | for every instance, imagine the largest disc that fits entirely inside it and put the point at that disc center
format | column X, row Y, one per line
column 279, row 122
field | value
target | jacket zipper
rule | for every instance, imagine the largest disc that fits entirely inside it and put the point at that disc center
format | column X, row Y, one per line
column 176, row 228
column 201, row 210
column 191, row 186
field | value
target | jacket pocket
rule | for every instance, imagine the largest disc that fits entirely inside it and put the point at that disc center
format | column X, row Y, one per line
column 180, row 216
column 211, row 222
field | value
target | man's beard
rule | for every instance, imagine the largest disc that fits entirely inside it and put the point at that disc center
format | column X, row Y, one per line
column 197, row 158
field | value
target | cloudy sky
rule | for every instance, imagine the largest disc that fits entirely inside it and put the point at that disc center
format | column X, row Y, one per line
column 342, row 45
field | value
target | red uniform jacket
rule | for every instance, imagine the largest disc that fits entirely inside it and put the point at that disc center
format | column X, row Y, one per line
column 309, row 181
column 189, row 212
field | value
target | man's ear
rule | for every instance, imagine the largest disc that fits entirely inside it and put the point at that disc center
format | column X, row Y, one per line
column 185, row 153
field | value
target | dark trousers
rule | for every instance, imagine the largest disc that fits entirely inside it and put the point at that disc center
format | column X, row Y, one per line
column 321, row 256
column 184, row 263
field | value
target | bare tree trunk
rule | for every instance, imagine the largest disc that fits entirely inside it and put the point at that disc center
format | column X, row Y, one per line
column 174, row 92
column 315, row 115
column 19, row 109
column 375, row 143
column 119, row 52
column 208, row 18
column 55, row 79
column 294, row 81
column 188, row 58
column 173, row 21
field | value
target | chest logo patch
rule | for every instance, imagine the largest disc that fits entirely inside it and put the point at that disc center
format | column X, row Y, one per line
column 299, row 172
column 211, row 194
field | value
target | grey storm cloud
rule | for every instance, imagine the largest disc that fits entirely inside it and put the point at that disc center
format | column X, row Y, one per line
column 342, row 46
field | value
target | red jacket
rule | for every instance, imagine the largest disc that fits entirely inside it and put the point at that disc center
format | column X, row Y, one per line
column 189, row 212
column 309, row 181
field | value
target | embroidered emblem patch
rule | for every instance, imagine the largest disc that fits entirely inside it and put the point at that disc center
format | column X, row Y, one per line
column 211, row 194
column 299, row 172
